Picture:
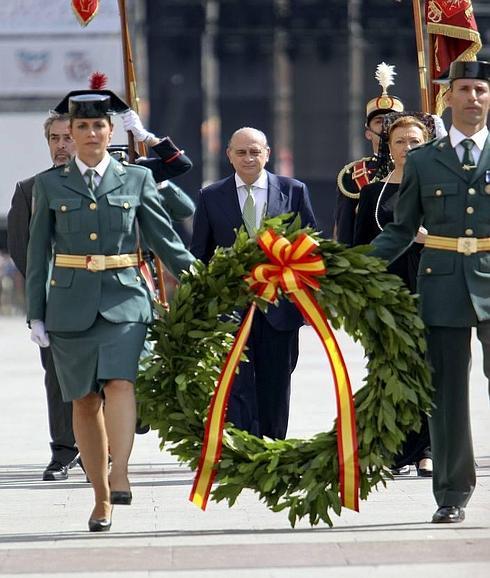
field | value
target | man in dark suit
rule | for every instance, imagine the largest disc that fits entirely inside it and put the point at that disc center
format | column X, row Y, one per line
column 63, row 449
column 259, row 401
column 446, row 188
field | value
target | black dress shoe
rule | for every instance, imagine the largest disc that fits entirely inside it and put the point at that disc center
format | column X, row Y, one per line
column 55, row 471
column 99, row 524
column 121, row 498
column 448, row 515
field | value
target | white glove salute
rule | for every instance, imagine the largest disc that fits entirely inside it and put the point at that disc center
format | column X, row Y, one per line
column 132, row 122
column 38, row 333
column 439, row 126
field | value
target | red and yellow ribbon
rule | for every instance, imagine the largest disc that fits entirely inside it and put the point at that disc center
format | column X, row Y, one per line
column 292, row 267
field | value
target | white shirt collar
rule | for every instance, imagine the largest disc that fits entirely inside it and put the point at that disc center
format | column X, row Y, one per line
column 260, row 183
column 100, row 169
column 456, row 136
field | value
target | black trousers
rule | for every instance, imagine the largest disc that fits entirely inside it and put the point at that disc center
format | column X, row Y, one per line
column 62, row 444
column 259, row 399
column 449, row 353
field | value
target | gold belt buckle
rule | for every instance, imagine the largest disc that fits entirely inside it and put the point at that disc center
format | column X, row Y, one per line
column 96, row 263
column 467, row 245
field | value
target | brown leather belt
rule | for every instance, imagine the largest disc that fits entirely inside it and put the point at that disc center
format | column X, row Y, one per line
column 465, row 245
column 97, row 262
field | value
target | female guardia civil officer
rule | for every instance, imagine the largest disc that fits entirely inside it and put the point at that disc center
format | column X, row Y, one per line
column 87, row 218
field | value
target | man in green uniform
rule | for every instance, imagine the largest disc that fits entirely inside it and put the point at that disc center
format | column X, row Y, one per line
column 446, row 188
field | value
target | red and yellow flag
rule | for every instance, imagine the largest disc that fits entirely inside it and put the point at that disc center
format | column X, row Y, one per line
column 85, row 10
column 294, row 268
column 453, row 26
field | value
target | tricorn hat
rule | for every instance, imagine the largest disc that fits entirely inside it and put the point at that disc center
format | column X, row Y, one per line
column 385, row 103
column 91, row 104
column 477, row 69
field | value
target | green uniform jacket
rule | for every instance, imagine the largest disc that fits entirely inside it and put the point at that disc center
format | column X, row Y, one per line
column 448, row 201
column 68, row 219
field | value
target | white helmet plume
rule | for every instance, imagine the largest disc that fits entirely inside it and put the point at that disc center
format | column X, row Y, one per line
column 385, row 74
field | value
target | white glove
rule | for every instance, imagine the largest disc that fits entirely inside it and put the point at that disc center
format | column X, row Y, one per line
column 132, row 122
column 38, row 333
column 439, row 126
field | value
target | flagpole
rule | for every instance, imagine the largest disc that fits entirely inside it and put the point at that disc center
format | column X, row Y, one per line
column 132, row 99
column 419, row 37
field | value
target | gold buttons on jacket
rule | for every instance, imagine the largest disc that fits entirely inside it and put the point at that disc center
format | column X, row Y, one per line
column 126, row 205
column 63, row 208
column 487, row 189
column 92, row 206
column 93, row 236
column 470, row 210
column 468, row 232
column 428, row 270
column 471, row 191
column 438, row 192
column 52, row 282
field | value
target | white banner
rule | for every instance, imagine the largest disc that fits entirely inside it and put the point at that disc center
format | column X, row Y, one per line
column 41, row 67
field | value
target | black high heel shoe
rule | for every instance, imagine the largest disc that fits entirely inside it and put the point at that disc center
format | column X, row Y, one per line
column 121, row 498
column 100, row 524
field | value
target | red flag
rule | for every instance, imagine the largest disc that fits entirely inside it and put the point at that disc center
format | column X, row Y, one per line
column 85, row 10
column 455, row 37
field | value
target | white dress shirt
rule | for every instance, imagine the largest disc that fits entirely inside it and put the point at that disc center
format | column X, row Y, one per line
column 259, row 193
column 479, row 138
column 99, row 169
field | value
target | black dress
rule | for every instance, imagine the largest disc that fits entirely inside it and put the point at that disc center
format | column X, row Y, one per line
column 372, row 217
column 376, row 206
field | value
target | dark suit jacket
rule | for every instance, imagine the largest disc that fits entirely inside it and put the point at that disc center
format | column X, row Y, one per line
column 218, row 217
column 437, row 193
column 18, row 223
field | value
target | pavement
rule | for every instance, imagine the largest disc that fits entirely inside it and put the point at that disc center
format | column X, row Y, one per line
column 43, row 525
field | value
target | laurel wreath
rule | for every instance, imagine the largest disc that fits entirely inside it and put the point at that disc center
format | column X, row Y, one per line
column 192, row 339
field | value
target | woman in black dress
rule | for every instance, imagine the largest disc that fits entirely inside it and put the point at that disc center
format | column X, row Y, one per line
column 401, row 133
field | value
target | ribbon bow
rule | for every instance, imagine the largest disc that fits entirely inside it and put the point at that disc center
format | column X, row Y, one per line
column 293, row 267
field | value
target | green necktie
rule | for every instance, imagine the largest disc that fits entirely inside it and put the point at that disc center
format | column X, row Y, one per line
column 249, row 213
column 468, row 161
column 90, row 174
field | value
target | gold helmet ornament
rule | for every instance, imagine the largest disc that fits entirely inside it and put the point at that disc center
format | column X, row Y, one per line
column 385, row 103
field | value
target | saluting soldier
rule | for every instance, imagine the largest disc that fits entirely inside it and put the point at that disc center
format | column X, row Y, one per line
column 86, row 217
column 356, row 174
column 446, row 188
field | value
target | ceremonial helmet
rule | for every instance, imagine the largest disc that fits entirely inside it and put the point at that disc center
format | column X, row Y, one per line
column 385, row 103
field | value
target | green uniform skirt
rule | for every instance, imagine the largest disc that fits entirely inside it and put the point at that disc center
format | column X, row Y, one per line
column 85, row 360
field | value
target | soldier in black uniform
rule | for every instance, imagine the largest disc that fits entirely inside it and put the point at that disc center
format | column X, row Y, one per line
column 356, row 174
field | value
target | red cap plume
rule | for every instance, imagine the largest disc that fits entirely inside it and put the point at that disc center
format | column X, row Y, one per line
column 98, row 81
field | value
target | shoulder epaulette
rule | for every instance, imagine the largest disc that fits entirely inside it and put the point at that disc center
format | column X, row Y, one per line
column 360, row 174
column 50, row 169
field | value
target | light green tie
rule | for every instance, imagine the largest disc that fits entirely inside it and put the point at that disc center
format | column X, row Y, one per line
column 90, row 174
column 249, row 212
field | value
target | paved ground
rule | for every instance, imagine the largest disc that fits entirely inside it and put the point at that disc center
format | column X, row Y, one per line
column 43, row 524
